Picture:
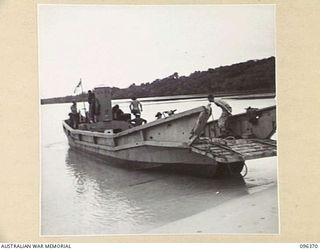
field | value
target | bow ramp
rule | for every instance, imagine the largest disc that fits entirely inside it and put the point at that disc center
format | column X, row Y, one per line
column 234, row 150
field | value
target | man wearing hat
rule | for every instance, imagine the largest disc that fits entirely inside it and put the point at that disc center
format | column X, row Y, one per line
column 138, row 121
column 158, row 115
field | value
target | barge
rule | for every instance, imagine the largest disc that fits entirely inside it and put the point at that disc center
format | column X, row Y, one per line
column 182, row 139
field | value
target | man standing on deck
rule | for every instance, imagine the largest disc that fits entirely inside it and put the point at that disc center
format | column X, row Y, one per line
column 91, row 101
column 135, row 106
column 74, row 115
column 226, row 112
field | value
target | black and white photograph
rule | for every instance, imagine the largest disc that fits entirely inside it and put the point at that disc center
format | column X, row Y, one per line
column 158, row 119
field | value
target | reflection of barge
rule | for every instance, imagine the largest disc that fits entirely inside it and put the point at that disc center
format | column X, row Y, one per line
column 186, row 138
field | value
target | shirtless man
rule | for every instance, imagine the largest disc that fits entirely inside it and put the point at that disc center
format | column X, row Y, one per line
column 135, row 106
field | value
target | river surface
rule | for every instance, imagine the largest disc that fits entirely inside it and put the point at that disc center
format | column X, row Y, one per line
column 81, row 195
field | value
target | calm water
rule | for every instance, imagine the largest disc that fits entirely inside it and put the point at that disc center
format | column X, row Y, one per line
column 86, row 196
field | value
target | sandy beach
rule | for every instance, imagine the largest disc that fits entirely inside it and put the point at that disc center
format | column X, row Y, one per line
column 255, row 213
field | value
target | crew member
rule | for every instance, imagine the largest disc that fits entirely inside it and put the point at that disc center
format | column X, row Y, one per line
column 158, row 115
column 138, row 121
column 135, row 106
column 74, row 115
column 226, row 112
column 92, row 106
column 117, row 113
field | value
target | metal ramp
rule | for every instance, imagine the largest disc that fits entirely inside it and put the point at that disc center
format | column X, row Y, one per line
column 236, row 150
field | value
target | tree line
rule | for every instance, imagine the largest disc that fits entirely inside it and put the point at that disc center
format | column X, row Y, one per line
column 254, row 76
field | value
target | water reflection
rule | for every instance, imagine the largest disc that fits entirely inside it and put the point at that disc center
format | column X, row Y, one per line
column 105, row 202
column 133, row 201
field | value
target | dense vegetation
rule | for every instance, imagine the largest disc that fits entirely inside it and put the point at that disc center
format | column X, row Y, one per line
column 254, row 76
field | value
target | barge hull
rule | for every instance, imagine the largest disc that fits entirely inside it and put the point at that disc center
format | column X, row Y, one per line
column 144, row 156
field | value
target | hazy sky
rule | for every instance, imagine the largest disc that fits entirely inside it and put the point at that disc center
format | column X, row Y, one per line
column 117, row 45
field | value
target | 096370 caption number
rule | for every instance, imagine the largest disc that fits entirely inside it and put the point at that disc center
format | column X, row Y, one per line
column 308, row 246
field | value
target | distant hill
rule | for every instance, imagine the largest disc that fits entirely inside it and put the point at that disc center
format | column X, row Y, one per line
column 254, row 76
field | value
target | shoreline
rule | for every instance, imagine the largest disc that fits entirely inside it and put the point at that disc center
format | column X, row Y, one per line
column 185, row 97
column 255, row 213
column 196, row 96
